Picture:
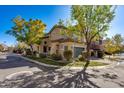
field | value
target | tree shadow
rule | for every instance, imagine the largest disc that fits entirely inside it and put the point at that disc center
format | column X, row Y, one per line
column 80, row 80
column 17, row 62
column 47, row 77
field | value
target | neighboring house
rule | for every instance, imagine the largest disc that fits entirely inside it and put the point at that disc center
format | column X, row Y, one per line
column 55, row 43
column 5, row 47
column 97, row 46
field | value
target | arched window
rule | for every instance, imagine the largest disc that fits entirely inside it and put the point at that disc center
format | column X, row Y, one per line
column 45, row 42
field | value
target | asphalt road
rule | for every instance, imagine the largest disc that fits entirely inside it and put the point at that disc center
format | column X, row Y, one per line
column 10, row 63
column 111, row 77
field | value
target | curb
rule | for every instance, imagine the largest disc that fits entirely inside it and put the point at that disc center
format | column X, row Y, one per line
column 37, row 62
column 65, row 67
column 95, row 67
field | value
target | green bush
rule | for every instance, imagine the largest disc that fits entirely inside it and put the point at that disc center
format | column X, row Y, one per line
column 42, row 55
column 107, row 53
column 56, row 57
column 67, row 54
column 92, row 53
column 82, row 57
column 100, row 54
column 35, row 52
column 28, row 52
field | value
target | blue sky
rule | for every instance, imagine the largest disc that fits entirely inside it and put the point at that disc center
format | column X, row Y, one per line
column 49, row 15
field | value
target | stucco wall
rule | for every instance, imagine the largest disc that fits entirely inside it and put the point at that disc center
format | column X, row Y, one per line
column 48, row 44
column 56, row 34
column 70, row 45
column 53, row 47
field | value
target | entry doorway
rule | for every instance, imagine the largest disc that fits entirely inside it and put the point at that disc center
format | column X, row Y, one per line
column 44, row 49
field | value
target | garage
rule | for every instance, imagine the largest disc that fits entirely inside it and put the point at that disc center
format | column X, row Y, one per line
column 77, row 51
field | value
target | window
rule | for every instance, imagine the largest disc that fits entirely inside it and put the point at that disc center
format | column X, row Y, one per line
column 45, row 42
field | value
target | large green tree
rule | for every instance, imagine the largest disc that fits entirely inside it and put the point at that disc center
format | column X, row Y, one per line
column 1, row 47
column 21, row 45
column 114, row 44
column 92, row 22
column 29, row 32
column 118, row 39
column 109, row 46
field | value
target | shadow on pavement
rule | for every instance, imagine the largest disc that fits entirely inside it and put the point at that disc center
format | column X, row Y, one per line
column 78, row 80
column 81, row 79
column 14, row 61
column 47, row 78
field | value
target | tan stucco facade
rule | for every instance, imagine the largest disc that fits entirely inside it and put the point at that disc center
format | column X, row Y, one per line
column 52, row 45
column 56, row 34
column 70, row 46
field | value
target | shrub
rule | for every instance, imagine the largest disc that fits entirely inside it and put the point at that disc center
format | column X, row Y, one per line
column 43, row 55
column 14, row 51
column 67, row 54
column 34, row 52
column 19, row 51
column 100, row 54
column 92, row 53
column 107, row 53
column 28, row 52
column 56, row 57
column 82, row 57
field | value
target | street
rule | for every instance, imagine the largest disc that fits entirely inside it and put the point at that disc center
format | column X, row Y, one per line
column 17, row 72
column 10, row 64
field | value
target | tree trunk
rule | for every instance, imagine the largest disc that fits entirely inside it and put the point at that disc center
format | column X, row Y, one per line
column 38, row 47
column 88, row 52
column 31, row 49
column 87, row 58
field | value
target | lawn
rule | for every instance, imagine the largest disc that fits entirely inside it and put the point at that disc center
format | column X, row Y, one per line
column 48, row 61
column 74, row 64
column 81, row 64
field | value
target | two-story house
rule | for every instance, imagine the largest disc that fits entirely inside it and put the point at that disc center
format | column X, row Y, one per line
column 55, row 43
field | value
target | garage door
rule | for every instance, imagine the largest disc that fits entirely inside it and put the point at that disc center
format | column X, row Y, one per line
column 77, row 51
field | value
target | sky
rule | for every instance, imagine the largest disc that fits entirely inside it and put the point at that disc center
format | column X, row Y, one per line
column 50, row 16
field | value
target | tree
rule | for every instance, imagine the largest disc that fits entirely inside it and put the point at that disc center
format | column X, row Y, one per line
column 114, row 45
column 29, row 32
column 118, row 42
column 92, row 22
column 21, row 45
column 109, row 46
column 61, row 22
column 118, row 39
column 69, row 29
column 1, row 47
